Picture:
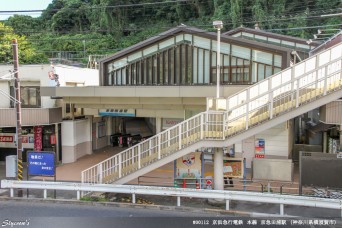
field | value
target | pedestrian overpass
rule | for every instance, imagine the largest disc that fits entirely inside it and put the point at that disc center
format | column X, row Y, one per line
column 283, row 96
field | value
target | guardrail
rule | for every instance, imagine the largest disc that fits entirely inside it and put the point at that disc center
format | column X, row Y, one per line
column 226, row 196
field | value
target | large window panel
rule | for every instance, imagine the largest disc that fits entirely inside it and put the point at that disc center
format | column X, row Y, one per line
column 241, row 52
column 262, row 57
column 206, row 66
column 261, row 72
column 172, row 67
column 161, row 68
column 177, row 61
column 167, row 43
column 224, row 47
column 277, row 60
column 195, row 65
column 134, row 56
column 120, row 63
column 166, row 67
column 254, row 72
column 154, row 69
column 179, row 38
column 150, row 50
column 202, row 42
column 184, row 63
column 268, row 71
column 189, row 65
column 200, row 66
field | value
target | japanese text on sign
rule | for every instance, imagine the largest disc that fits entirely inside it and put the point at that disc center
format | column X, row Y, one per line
column 41, row 163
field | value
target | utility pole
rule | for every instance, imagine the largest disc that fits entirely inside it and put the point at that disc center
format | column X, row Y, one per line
column 18, row 112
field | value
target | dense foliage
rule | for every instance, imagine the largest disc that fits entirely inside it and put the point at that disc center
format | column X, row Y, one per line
column 75, row 28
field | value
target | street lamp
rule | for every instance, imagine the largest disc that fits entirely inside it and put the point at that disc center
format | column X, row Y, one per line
column 218, row 25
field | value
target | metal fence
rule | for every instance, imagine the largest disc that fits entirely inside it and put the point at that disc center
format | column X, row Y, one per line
column 220, row 195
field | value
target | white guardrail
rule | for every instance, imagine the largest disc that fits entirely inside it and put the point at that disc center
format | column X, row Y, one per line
column 177, row 192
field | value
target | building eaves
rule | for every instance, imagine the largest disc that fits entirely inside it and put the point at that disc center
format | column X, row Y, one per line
column 269, row 34
column 200, row 32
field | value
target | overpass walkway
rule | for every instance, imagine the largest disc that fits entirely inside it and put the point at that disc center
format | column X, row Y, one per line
column 305, row 86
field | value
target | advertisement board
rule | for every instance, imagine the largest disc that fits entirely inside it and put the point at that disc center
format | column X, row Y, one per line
column 259, row 148
column 189, row 166
column 233, row 167
column 41, row 163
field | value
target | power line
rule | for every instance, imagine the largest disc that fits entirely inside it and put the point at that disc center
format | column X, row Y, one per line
column 96, row 7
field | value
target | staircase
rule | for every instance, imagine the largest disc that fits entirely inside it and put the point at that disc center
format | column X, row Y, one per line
column 298, row 89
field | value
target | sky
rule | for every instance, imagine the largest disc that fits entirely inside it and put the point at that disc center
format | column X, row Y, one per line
column 6, row 5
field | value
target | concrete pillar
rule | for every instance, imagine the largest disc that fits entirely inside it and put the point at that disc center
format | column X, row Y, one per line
column 325, row 141
column 72, row 111
column 158, row 125
column 218, row 169
column 109, row 124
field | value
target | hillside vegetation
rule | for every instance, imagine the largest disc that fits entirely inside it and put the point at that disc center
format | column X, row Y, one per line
column 74, row 29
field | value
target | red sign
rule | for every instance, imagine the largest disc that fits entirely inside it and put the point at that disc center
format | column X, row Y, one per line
column 259, row 156
column 52, row 139
column 6, row 138
column 209, row 182
column 38, row 136
column 189, row 159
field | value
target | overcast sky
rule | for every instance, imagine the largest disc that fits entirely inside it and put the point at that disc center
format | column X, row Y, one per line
column 10, row 5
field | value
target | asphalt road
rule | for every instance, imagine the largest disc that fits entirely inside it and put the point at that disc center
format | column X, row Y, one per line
column 38, row 214
column 30, row 209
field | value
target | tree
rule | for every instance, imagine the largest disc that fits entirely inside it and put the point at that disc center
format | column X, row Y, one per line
column 27, row 54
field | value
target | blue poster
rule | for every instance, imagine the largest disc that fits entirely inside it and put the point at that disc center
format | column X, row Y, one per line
column 41, row 163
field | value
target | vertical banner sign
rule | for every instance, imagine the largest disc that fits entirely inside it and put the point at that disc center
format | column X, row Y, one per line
column 259, row 148
column 38, row 135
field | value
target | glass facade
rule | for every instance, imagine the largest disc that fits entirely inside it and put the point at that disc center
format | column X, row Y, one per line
column 191, row 60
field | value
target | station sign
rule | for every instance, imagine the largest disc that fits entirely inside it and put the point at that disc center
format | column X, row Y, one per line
column 41, row 163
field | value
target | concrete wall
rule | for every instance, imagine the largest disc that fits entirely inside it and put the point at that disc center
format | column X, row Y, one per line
column 76, row 139
column 4, row 87
column 276, row 144
column 81, row 76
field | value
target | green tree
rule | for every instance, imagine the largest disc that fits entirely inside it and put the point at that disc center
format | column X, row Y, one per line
column 27, row 54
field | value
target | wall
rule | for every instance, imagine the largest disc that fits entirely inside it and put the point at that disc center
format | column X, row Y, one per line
column 102, row 141
column 276, row 144
column 76, row 139
column 84, row 76
column 4, row 87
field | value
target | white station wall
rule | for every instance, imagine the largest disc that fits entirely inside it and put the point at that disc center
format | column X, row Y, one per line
column 76, row 139
column 276, row 144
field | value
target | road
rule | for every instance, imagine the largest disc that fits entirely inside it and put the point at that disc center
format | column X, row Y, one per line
column 43, row 214
column 39, row 209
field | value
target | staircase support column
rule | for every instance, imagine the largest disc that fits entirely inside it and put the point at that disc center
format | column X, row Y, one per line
column 218, row 169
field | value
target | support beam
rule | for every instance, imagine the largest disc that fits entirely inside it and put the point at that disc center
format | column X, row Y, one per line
column 218, row 169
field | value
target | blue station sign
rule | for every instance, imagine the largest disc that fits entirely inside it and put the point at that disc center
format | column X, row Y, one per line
column 41, row 163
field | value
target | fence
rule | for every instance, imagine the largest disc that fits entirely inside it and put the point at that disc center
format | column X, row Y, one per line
column 226, row 196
